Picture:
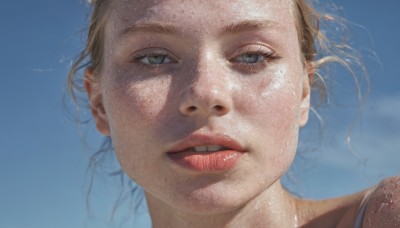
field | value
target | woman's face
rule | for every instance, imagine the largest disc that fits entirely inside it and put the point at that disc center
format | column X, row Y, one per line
column 179, row 76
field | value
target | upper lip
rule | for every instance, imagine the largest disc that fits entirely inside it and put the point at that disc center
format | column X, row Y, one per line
column 195, row 140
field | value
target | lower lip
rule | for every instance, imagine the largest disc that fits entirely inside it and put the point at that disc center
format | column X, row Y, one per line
column 207, row 161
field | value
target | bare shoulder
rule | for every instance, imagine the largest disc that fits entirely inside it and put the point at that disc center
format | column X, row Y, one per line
column 335, row 212
column 383, row 208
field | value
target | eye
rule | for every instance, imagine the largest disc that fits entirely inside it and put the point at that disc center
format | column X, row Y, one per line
column 154, row 59
column 249, row 58
column 253, row 59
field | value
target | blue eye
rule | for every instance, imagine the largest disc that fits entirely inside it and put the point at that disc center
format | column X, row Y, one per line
column 154, row 59
column 253, row 61
column 250, row 58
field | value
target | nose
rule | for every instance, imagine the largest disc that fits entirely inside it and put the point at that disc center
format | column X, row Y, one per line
column 207, row 95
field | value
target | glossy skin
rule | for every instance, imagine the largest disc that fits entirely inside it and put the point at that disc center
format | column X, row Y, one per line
column 173, row 69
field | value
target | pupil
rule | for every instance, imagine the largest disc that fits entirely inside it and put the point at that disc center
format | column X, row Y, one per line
column 250, row 58
column 156, row 59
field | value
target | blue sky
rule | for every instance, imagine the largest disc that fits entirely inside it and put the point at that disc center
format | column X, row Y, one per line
column 43, row 163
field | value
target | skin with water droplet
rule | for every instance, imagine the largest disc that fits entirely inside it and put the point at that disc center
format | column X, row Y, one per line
column 266, row 107
column 142, row 104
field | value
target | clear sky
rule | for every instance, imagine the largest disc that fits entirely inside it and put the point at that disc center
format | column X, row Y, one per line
column 43, row 163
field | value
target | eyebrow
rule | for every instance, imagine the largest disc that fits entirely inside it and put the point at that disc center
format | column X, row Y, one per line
column 248, row 26
column 150, row 27
column 230, row 29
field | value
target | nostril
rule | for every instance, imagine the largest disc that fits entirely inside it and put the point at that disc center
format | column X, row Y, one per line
column 218, row 108
column 192, row 108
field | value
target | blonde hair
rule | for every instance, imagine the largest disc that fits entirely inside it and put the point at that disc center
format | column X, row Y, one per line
column 317, row 51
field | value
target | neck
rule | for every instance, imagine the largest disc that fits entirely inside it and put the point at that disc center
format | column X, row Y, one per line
column 274, row 207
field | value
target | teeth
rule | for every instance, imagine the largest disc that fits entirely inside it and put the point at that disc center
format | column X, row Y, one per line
column 200, row 148
column 208, row 148
column 213, row 148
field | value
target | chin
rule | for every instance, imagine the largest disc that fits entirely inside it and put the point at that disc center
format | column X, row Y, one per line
column 215, row 198
column 213, row 204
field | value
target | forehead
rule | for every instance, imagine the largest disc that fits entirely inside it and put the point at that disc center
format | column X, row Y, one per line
column 201, row 16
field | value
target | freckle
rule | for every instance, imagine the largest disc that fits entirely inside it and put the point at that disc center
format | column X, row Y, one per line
column 383, row 206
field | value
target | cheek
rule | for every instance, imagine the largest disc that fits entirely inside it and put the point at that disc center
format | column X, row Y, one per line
column 136, row 103
column 273, row 100
column 271, row 111
column 133, row 111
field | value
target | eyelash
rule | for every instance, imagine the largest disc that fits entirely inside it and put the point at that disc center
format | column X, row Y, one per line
column 141, row 57
column 267, row 57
